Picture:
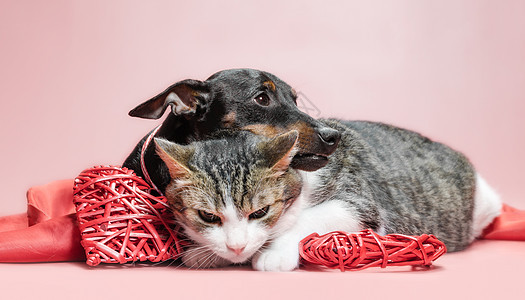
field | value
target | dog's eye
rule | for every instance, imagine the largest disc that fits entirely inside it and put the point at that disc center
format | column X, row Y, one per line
column 209, row 217
column 259, row 213
column 262, row 99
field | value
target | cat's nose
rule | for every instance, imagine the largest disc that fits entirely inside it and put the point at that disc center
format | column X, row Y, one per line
column 236, row 249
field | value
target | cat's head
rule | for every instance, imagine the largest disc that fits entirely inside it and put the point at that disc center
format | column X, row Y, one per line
column 229, row 193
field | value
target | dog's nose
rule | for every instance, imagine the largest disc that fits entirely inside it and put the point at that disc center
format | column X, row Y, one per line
column 329, row 136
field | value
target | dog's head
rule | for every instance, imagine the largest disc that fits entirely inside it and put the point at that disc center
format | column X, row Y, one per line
column 249, row 100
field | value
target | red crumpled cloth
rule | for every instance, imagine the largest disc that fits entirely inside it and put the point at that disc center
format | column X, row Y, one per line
column 48, row 232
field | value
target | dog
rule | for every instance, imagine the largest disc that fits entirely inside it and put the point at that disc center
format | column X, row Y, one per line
column 238, row 99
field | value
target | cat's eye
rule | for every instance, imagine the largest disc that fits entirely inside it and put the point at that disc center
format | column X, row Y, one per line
column 260, row 213
column 209, row 217
column 262, row 99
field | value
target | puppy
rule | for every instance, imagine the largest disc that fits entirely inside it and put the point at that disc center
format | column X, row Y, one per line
column 243, row 99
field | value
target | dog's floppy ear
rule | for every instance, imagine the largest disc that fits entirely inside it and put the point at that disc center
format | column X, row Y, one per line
column 185, row 98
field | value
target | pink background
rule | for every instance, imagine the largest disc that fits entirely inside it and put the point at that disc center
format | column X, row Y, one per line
column 452, row 70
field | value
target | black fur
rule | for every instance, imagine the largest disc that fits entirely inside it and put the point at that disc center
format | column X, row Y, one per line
column 226, row 101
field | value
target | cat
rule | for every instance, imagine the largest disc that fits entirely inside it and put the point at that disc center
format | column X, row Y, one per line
column 239, row 201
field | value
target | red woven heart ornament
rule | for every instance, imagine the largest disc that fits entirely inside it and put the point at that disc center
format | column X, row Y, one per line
column 120, row 220
column 358, row 251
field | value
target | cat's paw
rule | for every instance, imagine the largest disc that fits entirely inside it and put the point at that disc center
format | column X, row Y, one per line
column 195, row 258
column 281, row 259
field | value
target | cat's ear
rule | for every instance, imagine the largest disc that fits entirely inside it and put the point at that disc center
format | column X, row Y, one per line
column 185, row 97
column 280, row 150
column 175, row 156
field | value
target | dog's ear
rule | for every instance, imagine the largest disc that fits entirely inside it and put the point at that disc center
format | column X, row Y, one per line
column 185, row 97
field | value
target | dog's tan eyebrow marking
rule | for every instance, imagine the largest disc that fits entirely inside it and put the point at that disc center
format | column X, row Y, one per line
column 229, row 119
column 269, row 84
column 294, row 93
column 263, row 129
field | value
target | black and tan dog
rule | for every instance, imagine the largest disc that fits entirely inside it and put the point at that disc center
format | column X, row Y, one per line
column 242, row 99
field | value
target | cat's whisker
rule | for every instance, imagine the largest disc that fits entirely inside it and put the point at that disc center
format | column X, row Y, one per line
column 198, row 264
column 215, row 259
column 195, row 249
column 209, row 261
column 194, row 252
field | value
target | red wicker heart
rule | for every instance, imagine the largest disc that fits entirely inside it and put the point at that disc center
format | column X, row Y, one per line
column 120, row 220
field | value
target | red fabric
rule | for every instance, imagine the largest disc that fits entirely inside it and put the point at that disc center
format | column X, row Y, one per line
column 48, row 201
column 510, row 225
column 57, row 239
column 13, row 222
column 49, row 231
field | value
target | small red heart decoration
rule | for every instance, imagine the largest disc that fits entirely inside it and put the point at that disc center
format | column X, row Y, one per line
column 120, row 220
column 364, row 249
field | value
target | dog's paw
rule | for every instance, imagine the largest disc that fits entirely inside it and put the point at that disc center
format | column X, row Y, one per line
column 197, row 258
column 275, row 259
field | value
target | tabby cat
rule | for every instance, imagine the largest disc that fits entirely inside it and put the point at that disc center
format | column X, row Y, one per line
column 239, row 201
